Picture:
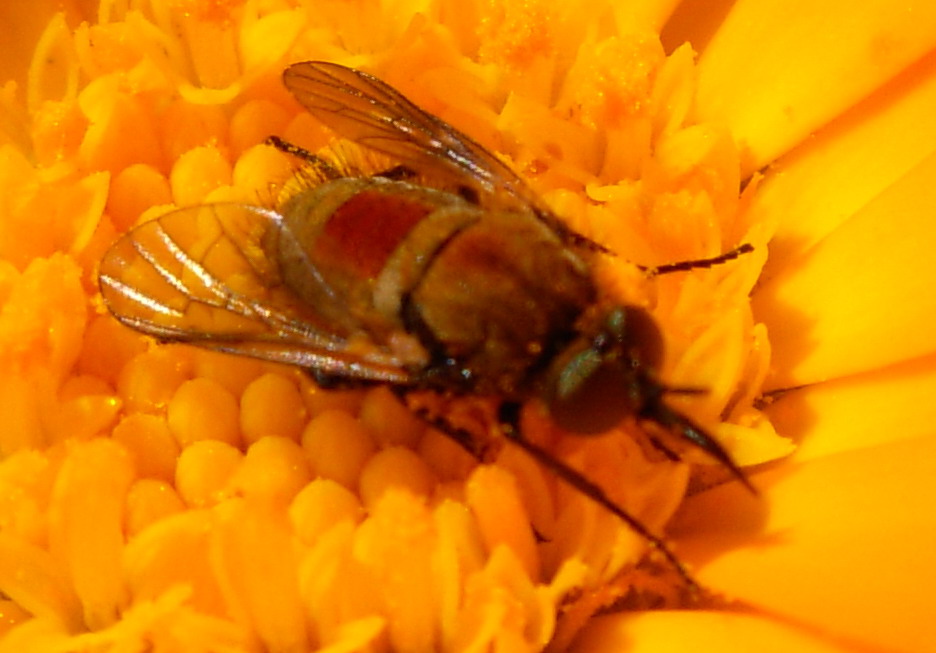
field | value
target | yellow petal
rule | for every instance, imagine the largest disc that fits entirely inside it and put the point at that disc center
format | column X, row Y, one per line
column 862, row 298
column 843, row 543
column 776, row 70
column 21, row 25
column 257, row 570
column 86, row 529
column 678, row 632
column 831, row 176
column 31, row 578
column 859, row 411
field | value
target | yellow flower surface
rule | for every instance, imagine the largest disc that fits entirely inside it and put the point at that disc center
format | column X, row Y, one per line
column 164, row 497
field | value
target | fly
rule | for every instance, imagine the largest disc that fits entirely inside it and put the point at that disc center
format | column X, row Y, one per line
column 444, row 273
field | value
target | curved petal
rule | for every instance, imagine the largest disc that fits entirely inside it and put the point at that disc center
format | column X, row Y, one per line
column 858, row 299
column 677, row 632
column 842, row 542
column 839, row 169
column 776, row 70
column 859, row 411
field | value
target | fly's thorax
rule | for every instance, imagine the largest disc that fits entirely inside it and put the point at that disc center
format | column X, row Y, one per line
column 497, row 298
column 340, row 250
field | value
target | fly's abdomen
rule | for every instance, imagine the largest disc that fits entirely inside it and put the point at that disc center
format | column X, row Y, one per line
column 361, row 243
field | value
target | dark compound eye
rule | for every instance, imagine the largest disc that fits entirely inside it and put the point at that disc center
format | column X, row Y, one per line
column 598, row 381
column 639, row 336
column 592, row 396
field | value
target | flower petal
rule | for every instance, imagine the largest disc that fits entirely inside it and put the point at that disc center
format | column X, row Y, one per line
column 859, row 411
column 774, row 80
column 677, row 632
column 826, row 180
column 842, row 543
column 839, row 309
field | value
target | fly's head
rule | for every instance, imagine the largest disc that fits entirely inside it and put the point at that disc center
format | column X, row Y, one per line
column 607, row 372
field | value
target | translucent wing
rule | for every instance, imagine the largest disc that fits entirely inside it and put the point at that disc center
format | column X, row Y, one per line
column 208, row 275
column 370, row 112
column 373, row 114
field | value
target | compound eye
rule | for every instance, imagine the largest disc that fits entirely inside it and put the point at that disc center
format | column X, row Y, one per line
column 639, row 335
column 591, row 395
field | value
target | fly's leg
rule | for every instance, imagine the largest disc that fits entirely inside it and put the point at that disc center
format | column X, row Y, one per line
column 509, row 417
column 398, row 173
column 659, row 413
column 461, row 436
column 329, row 171
column 509, row 424
column 322, row 167
column 337, row 381
column 405, row 173
column 699, row 263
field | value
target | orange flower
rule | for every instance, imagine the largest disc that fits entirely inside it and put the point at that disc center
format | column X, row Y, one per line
column 833, row 104
column 166, row 497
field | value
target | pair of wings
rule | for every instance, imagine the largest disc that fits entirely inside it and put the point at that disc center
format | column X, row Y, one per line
column 207, row 274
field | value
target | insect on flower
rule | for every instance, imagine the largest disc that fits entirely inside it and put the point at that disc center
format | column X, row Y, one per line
column 444, row 273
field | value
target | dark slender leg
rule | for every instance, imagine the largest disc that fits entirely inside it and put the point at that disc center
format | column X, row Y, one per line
column 329, row 171
column 662, row 448
column 338, row 381
column 462, row 437
column 661, row 414
column 508, row 418
column 323, row 167
column 509, row 422
column 569, row 235
column 398, row 173
column 683, row 266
